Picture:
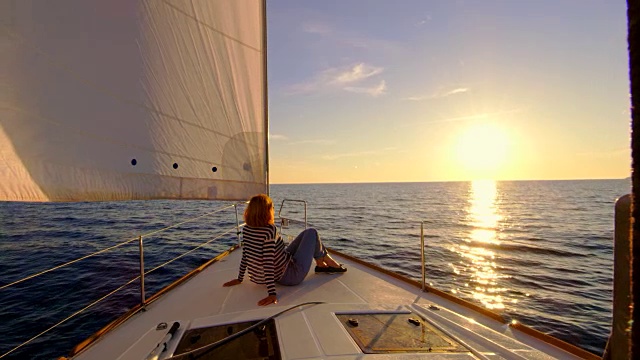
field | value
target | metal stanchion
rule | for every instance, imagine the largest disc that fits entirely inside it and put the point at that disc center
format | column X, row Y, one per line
column 422, row 255
column 235, row 206
column 142, row 297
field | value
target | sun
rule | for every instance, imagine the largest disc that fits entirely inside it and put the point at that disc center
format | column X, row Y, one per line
column 482, row 150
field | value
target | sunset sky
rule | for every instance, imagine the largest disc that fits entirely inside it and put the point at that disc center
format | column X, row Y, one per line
column 446, row 90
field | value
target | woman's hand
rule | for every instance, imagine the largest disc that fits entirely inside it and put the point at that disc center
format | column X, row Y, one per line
column 232, row 283
column 271, row 299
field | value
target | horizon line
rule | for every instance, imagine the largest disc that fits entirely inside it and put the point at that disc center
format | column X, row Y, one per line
column 441, row 181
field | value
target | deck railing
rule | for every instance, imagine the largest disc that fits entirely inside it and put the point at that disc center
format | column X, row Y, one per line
column 422, row 264
column 143, row 272
column 284, row 222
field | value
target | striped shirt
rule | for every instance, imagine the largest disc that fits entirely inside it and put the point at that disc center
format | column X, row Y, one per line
column 264, row 255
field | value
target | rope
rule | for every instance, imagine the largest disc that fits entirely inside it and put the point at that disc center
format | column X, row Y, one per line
column 186, row 221
column 174, row 259
column 122, row 286
column 190, row 251
column 111, row 248
column 65, row 264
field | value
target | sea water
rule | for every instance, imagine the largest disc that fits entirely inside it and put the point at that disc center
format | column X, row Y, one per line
column 540, row 252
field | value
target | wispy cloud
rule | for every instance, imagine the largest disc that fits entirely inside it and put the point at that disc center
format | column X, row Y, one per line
column 479, row 116
column 346, row 155
column 423, row 20
column 374, row 91
column 615, row 153
column 277, row 137
column 358, row 72
column 333, row 35
column 461, row 118
column 316, row 141
column 357, row 154
column 456, row 91
column 345, row 78
column 439, row 95
column 366, row 43
column 316, row 28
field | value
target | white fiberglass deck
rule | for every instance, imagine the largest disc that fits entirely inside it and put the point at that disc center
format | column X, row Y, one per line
column 313, row 331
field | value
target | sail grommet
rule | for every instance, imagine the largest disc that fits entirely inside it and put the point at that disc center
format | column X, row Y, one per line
column 214, row 169
column 175, row 165
column 134, row 162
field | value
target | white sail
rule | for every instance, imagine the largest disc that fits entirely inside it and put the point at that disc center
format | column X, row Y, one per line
column 116, row 100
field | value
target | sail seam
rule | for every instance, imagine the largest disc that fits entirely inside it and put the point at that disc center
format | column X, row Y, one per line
column 116, row 142
column 105, row 91
column 211, row 27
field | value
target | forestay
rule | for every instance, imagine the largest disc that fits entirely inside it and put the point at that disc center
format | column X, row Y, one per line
column 115, row 100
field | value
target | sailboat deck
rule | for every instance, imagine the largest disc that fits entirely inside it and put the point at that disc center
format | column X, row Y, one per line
column 314, row 331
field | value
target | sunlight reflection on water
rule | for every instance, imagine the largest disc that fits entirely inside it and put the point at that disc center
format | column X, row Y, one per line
column 478, row 260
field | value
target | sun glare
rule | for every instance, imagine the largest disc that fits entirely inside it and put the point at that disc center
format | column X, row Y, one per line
column 482, row 150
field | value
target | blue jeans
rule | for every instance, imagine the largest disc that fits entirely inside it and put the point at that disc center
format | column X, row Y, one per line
column 306, row 246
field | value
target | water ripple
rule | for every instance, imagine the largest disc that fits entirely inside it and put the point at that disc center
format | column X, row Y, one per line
column 537, row 251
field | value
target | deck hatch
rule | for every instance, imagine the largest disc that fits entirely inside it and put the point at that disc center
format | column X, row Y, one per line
column 261, row 343
column 377, row 333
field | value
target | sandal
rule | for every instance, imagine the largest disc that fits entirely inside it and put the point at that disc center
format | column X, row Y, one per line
column 331, row 270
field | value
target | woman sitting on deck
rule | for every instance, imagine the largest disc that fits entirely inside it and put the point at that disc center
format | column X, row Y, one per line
column 265, row 256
